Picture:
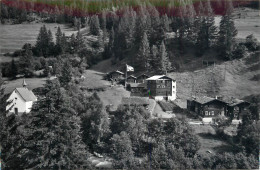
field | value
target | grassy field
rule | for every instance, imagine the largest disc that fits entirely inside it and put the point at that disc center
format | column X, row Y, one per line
column 209, row 141
column 110, row 95
column 248, row 23
column 13, row 37
column 232, row 78
column 32, row 83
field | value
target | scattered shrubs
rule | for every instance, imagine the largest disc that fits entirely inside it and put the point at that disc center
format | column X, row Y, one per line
column 251, row 43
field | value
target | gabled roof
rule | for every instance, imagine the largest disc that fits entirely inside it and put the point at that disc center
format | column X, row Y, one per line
column 131, row 76
column 159, row 77
column 26, row 94
column 233, row 101
column 119, row 72
column 142, row 75
column 205, row 99
column 135, row 101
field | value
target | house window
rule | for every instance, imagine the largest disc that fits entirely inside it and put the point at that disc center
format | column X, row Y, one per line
column 206, row 113
column 212, row 113
column 163, row 86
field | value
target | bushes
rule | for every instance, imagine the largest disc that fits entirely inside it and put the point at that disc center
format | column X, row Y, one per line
column 251, row 43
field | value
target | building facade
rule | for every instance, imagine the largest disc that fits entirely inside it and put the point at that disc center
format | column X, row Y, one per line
column 141, row 78
column 116, row 76
column 209, row 108
column 131, row 79
column 161, row 87
column 21, row 100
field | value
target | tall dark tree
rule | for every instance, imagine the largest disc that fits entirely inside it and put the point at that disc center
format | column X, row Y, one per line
column 95, row 124
column 44, row 44
column 94, row 25
column 227, row 34
column 13, row 69
column 66, row 73
column 207, row 32
column 26, row 61
column 154, row 58
column 122, row 151
column 54, row 138
column 165, row 64
column 142, row 58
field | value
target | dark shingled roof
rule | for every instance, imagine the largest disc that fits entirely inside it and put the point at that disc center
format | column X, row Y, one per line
column 131, row 76
column 26, row 94
column 233, row 101
column 203, row 99
column 135, row 101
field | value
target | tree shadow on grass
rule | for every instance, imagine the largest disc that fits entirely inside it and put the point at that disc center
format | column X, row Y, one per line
column 226, row 148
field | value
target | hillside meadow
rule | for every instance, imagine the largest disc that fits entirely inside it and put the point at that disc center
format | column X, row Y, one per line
column 13, row 37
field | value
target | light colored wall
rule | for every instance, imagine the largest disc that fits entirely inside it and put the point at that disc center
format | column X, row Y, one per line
column 16, row 103
column 173, row 95
column 29, row 106
column 207, row 120
column 174, row 91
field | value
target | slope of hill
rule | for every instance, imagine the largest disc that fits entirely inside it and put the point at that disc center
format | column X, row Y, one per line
column 232, row 78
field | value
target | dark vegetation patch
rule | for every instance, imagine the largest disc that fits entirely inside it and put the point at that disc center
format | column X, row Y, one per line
column 254, row 67
column 255, row 77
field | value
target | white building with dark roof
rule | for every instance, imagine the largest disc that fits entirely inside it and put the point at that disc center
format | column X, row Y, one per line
column 161, row 87
column 21, row 100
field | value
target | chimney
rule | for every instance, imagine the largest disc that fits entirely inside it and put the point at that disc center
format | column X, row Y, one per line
column 24, row 83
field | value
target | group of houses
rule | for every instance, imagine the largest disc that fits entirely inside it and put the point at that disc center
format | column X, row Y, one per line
column 209, row 108
column 158, row 87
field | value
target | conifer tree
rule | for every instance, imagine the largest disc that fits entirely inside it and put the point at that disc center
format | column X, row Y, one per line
column 44, row 43
column 94, row 25
column 103, row 21
column 165, row 64
column 80, row 41
column 13, row 69
column 142, row 58
column 154, row 58
column 66, row 73
column 73, row 43
column 54, row 138
column 165, row 22
column 58, row 36
column 207, row 32
column 122, row 151
column 26, row 65
column 227, row 33
column 11, row 135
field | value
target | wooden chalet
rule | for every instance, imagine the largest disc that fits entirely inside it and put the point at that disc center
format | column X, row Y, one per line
column 141, row 78
column 138, row 89
column 236, row 107
column 161, row 87
column 131, row 79
column 207, row 107
column 115, row 76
